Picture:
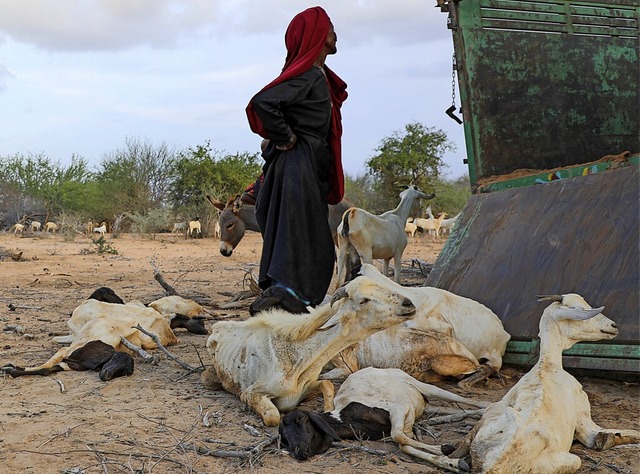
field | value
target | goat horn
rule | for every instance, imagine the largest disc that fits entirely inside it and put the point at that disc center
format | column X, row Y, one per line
column 550, row 298
column 339, row 294
column 580, row 314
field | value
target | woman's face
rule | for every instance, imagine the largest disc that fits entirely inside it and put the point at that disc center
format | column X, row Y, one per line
column 330, row 43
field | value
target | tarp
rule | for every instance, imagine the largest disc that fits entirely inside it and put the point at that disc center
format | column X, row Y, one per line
column 577, row 235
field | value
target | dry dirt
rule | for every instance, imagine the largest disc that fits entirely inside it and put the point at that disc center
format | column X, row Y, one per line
column 161, row 419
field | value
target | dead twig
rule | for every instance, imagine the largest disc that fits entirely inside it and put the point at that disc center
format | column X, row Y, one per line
column 364, row 449
column 160, row 279
column 64, row 433
column 246, row 453
column 174, row 358
column 139, row 350
column 438, row 420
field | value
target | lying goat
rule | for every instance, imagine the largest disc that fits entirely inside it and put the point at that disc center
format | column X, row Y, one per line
column 178, row 312
column 428, row 356
column 97, row 329
column 471, row 323
column 371, row 404
column 272, row 361
column 533, row 427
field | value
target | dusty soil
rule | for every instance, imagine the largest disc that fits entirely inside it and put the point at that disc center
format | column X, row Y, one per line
column 161, row 419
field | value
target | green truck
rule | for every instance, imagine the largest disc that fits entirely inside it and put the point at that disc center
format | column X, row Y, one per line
column 549, row 93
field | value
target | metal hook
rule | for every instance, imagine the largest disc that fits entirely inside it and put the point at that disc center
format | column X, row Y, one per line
column 450, row 112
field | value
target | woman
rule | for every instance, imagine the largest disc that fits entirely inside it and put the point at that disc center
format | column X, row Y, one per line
column 299, row 114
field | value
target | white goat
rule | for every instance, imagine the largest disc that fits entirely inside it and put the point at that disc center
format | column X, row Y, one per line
column 170, row 308
column 428, row 356
column 380, row 391
column 372, row 236
column 410, row 228
column 533, row 427
column 35, row 226
column 431, row 225
column 50, row 226
column 18, row 228
column 477, row 327
column 102, row 229
column 429, row 212
column 107, row 324
column 179, row 227
column 194, row 226
column 216, row 229
column 272, row 361
column 447, row 225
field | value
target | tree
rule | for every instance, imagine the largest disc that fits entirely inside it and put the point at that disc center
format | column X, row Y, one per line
column 33, row 185
column 134, row 179
column 451, row 196
column 411, row 157
column 200, row 171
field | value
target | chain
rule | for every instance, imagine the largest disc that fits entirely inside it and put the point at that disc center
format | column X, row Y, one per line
column 453, row 80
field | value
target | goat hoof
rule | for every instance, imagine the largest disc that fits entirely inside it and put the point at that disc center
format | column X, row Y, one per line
column 604, row 441
column 447, row 449
column 463, row 465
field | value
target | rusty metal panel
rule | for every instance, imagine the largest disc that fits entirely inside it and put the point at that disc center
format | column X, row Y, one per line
column 546, row 84
column 576, row 235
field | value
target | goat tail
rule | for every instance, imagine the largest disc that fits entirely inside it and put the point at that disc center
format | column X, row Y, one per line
column 345, row 224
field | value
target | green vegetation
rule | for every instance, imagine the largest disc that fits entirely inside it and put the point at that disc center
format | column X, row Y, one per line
column 145, row 188
column 102, row 246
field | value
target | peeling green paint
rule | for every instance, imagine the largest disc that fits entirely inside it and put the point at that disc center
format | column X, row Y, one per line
column 558, row 91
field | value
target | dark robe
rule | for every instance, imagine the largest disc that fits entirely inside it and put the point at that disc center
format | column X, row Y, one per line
column 291, row 208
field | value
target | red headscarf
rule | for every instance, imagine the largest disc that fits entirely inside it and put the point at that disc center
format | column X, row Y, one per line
column 304, row 39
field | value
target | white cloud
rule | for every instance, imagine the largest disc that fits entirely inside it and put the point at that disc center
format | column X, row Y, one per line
column 79, row 76
column 5, row 74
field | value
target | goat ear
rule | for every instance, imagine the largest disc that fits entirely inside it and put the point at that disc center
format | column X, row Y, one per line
column 579, row 314
column 322, row 425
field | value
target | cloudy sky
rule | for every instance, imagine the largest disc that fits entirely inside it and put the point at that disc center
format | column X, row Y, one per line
column 79, row 77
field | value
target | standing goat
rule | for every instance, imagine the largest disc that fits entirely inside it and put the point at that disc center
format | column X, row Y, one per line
column 194, row 226
column 371, row 404
column 272, row 361
column 431, row 225
column 410, row 228
column 372, row 236
column 447, row 225
column 532, row 428
column 102, row 229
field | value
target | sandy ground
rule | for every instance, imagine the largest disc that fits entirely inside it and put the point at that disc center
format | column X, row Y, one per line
column 161, row 419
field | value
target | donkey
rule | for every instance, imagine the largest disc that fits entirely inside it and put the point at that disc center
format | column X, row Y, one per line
column 237, row 217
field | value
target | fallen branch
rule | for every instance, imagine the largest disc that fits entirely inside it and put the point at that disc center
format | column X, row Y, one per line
column 13, row 307
column 364, row 449
column 240, row 454
column 139, row 350
column 62, row 389
column 438, row 420
column 160, row 279
column 174, row 358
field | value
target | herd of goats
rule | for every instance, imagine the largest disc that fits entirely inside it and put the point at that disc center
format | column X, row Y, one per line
column 386, row 342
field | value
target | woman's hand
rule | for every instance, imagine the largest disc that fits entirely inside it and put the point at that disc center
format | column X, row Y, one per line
column 289, row 145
